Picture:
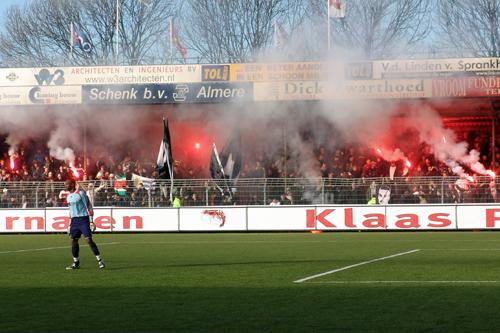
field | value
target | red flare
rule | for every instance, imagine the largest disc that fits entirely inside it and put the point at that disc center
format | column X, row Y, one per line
column 379, row 150
column 491, row 174
column 197, row 145
column 12, row 163
column 444, row 139
column 76, row 174
column 408, row 163
column 469, row 178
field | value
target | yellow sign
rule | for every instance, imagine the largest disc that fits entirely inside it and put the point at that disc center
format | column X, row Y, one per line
column 290, row 71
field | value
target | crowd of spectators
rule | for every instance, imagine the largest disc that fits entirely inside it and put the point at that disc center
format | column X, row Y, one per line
column 32, row 162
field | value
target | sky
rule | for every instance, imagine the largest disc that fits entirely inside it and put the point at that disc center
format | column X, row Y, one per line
column 4, row 4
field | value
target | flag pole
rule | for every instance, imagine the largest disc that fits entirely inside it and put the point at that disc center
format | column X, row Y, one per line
column 71, row 40
column 222, row 171
column 171, row 171
column 171, row 30
column 275, row 34
column 328, row 24
column 170, row 166
column 117, row 30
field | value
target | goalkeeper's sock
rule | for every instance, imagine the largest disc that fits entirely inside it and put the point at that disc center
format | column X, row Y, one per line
column 76, row 259
column 75, row 250
column 94, row 249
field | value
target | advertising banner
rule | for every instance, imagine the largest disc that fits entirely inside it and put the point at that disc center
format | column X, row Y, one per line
column 478, row 217
column 351, row 89
column 278, row 218
column 215, row 72
column 386, row 89
column 57, row 220
column 419, row 217
column 358, row 71
column 472, row 86
column 155, row 219
column 347, row 218
column 67, row 76
column 22, row 220
column 420, row 68
column 213, row 218
column 290, row 71
column 215, row 92
column 40, row 95
column 261, row 218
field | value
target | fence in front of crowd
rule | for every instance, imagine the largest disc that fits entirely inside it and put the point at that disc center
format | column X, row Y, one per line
column 257, row 191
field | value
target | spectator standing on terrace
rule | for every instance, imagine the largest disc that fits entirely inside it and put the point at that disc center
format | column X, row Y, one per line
column 63, row 194
column 81, row 214
column 4, row 198
column 274, row 202
column 24, row 201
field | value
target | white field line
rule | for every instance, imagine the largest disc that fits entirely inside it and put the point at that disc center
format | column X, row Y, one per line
column 51, row 248
column 231, row 242
column 355, row 265
column 403, row 282
column 492, row 249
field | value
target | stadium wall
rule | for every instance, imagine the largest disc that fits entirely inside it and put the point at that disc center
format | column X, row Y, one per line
column 261, row 218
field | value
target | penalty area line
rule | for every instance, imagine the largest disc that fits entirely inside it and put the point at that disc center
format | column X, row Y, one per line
column 50, row 248
column 355, row 265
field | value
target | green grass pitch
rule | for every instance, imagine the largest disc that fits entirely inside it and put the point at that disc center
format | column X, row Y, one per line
column 244, row 282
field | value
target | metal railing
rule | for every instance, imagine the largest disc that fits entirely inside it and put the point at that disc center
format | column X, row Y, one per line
column 259, row 191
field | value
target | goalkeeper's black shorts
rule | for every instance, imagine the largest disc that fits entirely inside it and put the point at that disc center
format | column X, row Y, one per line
column 80, row 225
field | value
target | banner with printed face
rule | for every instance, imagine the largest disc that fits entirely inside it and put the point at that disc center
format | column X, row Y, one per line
column 213, row 218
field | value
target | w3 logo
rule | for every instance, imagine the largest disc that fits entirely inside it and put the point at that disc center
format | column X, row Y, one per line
column 45, row 78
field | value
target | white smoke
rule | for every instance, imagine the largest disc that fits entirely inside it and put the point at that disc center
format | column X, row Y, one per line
column 443, row 142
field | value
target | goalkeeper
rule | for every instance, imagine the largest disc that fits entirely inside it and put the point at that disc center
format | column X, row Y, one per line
column 81, row 214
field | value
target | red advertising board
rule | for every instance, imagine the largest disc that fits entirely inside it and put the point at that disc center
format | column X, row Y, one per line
column 471, row 86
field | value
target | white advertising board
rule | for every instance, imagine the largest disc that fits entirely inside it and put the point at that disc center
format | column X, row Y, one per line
column 261, row 218
column 418, row 217
column 22, row 220
column 154, row 219
column 278, row 218
column 67, row 76
column 40, row 95
column 213, row 218
column 57, row 219
column 434, row 67
column 347, row 218
column 340, row 90
column 478, row 217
